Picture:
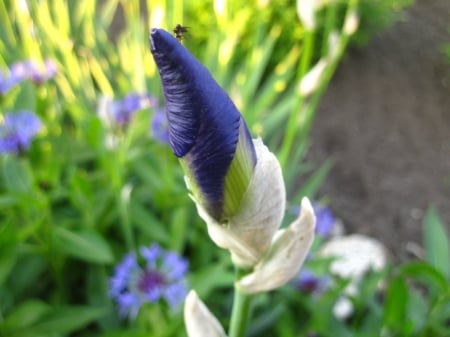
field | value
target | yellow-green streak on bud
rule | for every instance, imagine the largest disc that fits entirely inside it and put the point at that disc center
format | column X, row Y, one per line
column 239, row 175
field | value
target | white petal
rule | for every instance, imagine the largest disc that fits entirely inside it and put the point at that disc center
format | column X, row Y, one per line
column 248, row 234
column 199, row 321
column 343, row 308
column 351, row 23
column 286, row 255
column 311, row 80
column 306, row 13
column 355, row 254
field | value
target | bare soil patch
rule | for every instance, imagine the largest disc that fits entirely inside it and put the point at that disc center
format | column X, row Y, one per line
column 386, row 121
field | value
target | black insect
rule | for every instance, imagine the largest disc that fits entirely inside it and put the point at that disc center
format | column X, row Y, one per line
column 179, row 31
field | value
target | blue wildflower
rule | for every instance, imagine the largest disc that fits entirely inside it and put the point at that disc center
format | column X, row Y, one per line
column 17, row 131
column 121, row 112
column 206, row 131
column 310, row 283
column 42, row 73
column 160, row 127
column 30, row 69
column 161, row 278
column 324, row 220
column 6, row 82
column 25, row 70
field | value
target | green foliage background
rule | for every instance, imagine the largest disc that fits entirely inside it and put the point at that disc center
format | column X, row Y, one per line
column 71, row 206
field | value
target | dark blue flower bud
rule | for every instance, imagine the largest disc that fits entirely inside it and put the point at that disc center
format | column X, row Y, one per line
column 206, row 131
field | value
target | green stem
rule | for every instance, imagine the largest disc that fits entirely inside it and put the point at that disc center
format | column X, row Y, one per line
column 327, row 75
column 241, row 310
column 330, row 23
column 292, row 125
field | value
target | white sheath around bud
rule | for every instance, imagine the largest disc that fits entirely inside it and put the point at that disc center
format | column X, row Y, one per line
column 248, row 234
column 199, row 321
column 286, row 255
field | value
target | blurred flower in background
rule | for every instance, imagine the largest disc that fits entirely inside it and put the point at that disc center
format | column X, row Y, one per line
column 121, row 112
column 160, row 126
column 17, row 130
column 27, row 70
column 310, row 283
column 160, row 279
column 6, row 82
column 32, row 70
column 325, row 220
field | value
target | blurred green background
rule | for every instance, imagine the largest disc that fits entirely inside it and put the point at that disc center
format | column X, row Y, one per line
column 75, row 202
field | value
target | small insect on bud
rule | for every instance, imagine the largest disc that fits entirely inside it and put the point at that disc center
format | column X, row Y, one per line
column 179, row 31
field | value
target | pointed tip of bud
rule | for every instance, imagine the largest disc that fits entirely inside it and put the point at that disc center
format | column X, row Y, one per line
column 204, row 124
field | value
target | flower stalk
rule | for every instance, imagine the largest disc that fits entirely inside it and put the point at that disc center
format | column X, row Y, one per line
column 241, row 309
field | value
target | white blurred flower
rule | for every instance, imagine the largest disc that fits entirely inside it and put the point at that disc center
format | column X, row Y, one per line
column 355, row 255
column 199, row 321
column 311, row 80
column 306, row 13
column 343, row 308
column 351, row 23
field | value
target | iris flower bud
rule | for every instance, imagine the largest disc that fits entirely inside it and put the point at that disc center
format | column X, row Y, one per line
column 206, row 131
column 236, row 182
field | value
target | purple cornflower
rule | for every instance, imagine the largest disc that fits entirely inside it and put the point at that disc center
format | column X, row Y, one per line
column 41, row 73
column 121, row 112
column 24, row 70
column 160, row 127
column 161, row 278
column 324, row 220
column 6, row 82
column 17, row 131
column 309, row 283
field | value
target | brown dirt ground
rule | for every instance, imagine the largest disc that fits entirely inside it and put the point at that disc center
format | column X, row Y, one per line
column 386, row 120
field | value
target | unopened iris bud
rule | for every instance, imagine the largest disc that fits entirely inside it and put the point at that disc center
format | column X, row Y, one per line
column 206, row 131
column 236, row 182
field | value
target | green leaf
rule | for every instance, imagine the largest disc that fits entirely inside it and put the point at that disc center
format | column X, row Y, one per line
column 179, row 226
column 315, row 181
column 417, row 310
column 85, row 244
column 436, row 243
column 426, row 274
column 148, row 223
column 396, row 303
column 16, row 175
column 66, row 319
column 8, row 251
column 211, row 277
column 26, row 100
column 25, row 315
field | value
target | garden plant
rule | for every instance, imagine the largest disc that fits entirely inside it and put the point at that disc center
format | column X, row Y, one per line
column 153, row 179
